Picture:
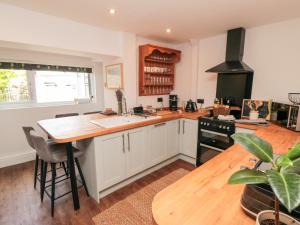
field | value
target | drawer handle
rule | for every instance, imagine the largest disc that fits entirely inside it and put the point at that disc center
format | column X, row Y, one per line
column 123, row 138
column 178, row 126
column 128, row 142
column 159, row 125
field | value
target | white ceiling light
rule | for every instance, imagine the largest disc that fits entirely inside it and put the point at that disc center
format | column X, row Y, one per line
column 168, row 30
column 112, row 11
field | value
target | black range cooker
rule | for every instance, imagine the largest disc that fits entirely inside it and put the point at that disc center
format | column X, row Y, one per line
column 214, row 136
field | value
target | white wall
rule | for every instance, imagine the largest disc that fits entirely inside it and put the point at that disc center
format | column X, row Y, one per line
column 129, row 58
column 28, row 27
column 273, row 51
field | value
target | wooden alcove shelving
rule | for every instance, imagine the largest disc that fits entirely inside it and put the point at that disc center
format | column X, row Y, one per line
column 157, row 69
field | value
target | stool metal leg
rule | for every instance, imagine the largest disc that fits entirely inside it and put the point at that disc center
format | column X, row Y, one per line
column 65, row 169
column 53, row 169
column 71, row 170
column 36, row 167
column 43, row 180
column 81, row 176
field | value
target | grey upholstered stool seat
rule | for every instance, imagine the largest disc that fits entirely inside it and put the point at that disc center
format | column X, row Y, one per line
column 58, row 152
column 53, row 153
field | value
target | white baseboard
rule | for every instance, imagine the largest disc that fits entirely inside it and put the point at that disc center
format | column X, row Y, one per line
column 17, row 158
column 188, row 159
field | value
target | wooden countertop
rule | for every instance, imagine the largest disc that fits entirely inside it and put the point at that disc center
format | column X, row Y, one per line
column 204, row 197
column 75, row 128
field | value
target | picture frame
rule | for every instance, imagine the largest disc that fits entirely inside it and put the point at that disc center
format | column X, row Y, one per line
column 264, row 108
column 114, row 76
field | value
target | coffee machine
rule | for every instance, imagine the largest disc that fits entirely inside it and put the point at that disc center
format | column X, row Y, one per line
column 173, row 102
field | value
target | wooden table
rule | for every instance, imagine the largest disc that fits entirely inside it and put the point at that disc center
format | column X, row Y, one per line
column 204, row 197
column 75, row 128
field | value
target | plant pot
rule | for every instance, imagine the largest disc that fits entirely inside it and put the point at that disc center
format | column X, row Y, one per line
column 253, row 115
column 270, row 214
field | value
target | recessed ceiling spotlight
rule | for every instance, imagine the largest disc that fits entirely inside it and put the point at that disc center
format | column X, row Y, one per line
column 168, row 30
column 112, row 11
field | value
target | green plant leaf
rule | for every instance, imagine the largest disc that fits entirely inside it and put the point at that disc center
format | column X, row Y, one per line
column 257, row 146
column 294, row 152
column 247, row 176
column 283, row 161
column 286, row 187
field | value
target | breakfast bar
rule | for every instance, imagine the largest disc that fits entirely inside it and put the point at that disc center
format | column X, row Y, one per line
column 82, row 130
column 204, row 197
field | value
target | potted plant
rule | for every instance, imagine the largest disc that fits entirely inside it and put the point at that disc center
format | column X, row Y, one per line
column 283, row 177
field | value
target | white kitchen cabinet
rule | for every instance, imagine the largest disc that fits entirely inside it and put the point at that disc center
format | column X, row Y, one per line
column 136, row 151
column 173, row 137
column 157, row 144
column 120, row 155
column 111, row 159
column 189, row 137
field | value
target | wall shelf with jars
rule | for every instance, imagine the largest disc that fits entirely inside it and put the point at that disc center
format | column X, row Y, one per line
column 157, row 69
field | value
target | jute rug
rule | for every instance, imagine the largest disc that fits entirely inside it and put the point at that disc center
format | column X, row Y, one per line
column 136, row 208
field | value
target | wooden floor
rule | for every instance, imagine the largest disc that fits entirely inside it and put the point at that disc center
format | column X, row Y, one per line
column 20, row 203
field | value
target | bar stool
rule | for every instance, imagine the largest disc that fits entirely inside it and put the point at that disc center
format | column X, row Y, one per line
column 36, row 166
column 30, row 143
column 66, row 115
column 54, row 153
column 94, row 112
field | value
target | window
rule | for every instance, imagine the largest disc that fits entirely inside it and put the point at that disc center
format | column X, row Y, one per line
column 53, row 86
column 42, row 86
column 13, row 86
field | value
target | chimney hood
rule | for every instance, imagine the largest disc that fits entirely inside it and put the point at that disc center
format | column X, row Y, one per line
column 234, row 54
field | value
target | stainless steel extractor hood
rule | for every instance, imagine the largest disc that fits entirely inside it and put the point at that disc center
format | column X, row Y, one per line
column 234, row 54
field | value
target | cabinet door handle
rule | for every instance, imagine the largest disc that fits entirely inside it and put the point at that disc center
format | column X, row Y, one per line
column 159, row 125
column 123, row 138
column 128, row 136
column 178, row 126
column 183, row 128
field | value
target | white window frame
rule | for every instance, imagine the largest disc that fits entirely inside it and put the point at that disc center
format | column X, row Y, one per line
column 33, row 98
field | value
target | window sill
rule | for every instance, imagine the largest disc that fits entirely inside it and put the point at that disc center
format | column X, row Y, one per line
column 38, row 105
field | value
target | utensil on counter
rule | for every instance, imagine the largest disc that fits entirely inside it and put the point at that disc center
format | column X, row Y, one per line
column 119, row 95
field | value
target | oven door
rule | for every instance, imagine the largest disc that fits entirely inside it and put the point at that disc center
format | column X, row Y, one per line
column 215, row 139
column 207, row 152
column 210, row 144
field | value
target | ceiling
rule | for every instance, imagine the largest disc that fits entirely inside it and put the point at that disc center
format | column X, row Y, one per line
column 187, row 18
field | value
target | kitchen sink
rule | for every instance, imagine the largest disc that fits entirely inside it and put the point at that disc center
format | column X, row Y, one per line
column 115, row 121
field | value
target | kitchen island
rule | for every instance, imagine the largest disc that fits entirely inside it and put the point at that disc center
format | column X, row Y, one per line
column 115, row 156
column 204, row 197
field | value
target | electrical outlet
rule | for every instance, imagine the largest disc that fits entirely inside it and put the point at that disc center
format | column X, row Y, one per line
column 159, row 99
column 200, row 100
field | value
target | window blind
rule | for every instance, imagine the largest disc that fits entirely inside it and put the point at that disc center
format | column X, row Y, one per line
column 44, row 67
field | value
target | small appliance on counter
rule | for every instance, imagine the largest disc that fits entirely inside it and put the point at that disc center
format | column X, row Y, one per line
column 258, row 197
column 191, row 106
column 173, row 102
column 214, row 137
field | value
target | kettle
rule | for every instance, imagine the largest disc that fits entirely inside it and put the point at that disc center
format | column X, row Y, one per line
column 191, row 106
